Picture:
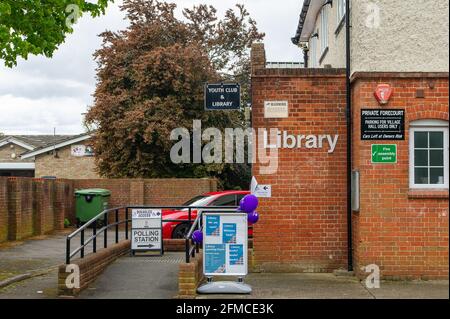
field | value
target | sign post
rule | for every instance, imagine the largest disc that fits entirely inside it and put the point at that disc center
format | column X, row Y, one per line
column 223, row 96
column 225, row 249
column 146, row 230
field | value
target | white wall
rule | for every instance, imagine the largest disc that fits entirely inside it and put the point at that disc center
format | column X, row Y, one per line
column 410, row 36
column 336, row 41
column 392, row 36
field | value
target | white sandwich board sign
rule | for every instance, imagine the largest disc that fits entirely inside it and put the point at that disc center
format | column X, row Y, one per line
column 146, row 230
column 225, row 242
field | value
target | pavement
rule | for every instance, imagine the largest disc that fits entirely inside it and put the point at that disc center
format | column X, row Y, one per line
column 156, row 277
column 33, row 262
column 330, row 286
column 145, row 277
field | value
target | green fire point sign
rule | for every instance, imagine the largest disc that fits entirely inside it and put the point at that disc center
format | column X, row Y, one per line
column 384, row 154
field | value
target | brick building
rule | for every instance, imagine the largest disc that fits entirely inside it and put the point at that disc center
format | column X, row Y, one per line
column 398, row 97
column 60, row 156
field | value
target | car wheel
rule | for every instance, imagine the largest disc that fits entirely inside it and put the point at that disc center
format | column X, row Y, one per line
column 180, row 231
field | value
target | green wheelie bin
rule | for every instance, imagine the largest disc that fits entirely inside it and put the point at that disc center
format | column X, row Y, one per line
column 89, row 203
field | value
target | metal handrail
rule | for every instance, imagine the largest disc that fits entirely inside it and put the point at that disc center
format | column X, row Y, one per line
column 86, row 225
column 105, row 214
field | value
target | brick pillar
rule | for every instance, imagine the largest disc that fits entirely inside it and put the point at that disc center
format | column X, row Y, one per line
column 137, row 189
column 61, row 204
column 13, row 209
column 3, row 209
column 20, row 219
column 213, row 185
column 258, row 57
column 44, row 192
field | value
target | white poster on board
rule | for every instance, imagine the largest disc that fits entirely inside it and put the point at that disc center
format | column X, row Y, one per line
column 225, row 244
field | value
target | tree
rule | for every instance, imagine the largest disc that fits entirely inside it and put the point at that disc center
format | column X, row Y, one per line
column 39, row 26
column 151, row 80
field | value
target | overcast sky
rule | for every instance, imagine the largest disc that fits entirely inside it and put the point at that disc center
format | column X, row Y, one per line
column 40, row 93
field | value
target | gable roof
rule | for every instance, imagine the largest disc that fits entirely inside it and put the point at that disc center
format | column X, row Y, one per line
column 31, row 142
column 67, row 140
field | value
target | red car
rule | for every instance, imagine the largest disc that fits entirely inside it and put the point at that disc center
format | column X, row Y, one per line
column 179, row 230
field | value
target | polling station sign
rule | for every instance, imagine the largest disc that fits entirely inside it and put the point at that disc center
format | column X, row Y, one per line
column 225, row 242
column 146, row 230
column 222, row 96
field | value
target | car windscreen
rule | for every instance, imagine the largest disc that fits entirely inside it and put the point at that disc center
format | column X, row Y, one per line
column 198, row 201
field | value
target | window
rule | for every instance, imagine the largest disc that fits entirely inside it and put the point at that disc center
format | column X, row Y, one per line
column 227, row 200
column 428, row 154
column 313, row 52
column 239, row 197
column 340, row 10
column 323, row 29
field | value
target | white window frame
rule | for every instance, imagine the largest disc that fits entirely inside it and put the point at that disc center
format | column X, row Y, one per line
column 428, row 126
column 323, row 33
column 313, row 52
column 340, row 11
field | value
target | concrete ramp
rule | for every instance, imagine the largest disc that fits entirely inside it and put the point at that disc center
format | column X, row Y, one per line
column 139, row 277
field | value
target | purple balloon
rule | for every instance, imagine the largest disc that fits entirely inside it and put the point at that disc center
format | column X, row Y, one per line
column 252, row 218
column 197, row 237
column 249, row 203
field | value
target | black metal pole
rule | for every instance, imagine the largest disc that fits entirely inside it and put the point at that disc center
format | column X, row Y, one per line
column 126, row 222
column 105, row 232
column 67, row 250
column 187, row 250
column 349, row 137
column 94, row 233
column 117, row 226
column 82, row 243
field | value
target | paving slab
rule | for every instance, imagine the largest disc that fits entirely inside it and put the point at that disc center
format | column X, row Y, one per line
column 434, row 289
column 330, row 286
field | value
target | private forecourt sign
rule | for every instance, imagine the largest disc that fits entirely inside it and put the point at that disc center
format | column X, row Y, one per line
column 225, row 244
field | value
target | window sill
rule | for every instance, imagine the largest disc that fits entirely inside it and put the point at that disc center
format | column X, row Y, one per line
column 340, row 26
column 323, row 55
column 435, row 193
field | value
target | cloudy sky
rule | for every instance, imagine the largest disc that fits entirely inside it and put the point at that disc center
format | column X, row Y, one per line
column 41, row 94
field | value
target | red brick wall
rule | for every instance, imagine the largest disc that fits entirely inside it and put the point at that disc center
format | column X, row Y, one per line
column 403, row 232
column 36, row 206
column 164, row 192
column 303, row 226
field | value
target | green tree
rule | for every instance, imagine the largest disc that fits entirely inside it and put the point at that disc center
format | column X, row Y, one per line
column 39, row 26
column 151, row 80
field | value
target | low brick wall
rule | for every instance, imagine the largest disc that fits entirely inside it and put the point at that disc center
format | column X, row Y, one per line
column 34, row 206
column 174, row 245
column 189, row 277
column 91, row 267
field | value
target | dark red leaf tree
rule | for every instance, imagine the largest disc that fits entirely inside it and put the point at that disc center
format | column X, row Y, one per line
column 151, row 80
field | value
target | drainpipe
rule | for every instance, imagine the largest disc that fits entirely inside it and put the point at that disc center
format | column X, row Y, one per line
column 305, row 58
column 349, row 138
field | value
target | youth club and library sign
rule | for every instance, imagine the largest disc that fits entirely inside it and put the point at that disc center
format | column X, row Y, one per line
column 223, row 96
